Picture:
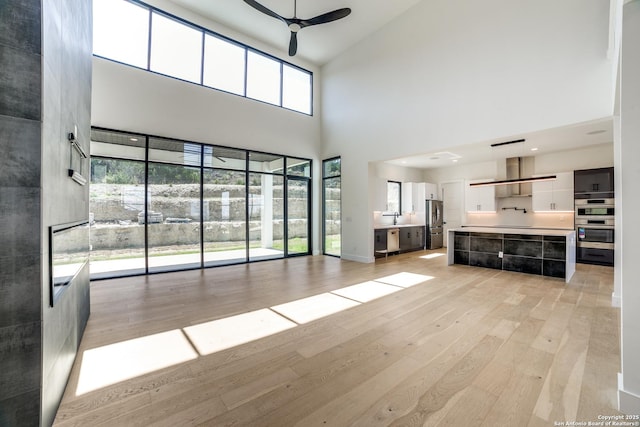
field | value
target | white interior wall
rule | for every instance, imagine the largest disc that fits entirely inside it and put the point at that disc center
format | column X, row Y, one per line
column 629, row 174
column 130, row 99
column 595, row 156
column 449, row 73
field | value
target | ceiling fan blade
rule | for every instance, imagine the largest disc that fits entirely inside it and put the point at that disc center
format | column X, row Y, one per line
column 264, row 10
column 293, row 44
column 326, row 17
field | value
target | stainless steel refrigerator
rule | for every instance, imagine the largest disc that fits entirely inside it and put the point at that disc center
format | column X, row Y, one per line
column 434, row 224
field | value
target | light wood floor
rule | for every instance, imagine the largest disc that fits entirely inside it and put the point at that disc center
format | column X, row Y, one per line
column 471, row 347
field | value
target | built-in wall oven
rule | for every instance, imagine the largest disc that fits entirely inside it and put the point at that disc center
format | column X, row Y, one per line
column 595, row 229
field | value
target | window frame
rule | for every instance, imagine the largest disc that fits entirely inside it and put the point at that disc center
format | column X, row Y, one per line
column 399, row 211
column 325, row 178
column 206, row 31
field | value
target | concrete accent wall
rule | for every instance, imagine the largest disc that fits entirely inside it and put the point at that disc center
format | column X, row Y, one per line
column 627, row 220
column 66, row 76
column 45, row 90
column 20, row 205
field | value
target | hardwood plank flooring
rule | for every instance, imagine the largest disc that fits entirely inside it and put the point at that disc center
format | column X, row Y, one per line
column 466, row 347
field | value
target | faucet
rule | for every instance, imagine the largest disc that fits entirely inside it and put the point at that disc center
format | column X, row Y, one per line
column 516, row 209
column 395, row 216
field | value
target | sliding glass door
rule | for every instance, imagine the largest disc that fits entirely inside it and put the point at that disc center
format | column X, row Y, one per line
column 225, row 217
column 159, row 204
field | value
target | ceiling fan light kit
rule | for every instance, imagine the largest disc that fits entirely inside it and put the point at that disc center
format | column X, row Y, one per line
column 295, row 24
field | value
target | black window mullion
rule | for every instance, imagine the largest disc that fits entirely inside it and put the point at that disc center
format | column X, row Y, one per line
column 311, row 93
column 281, row 84
column 202, row 206
column 246, row 79
column 146, row 205
column 202, row 61
column 149, row 44
column 310, row 216
column 246, row 203
column 285, row 204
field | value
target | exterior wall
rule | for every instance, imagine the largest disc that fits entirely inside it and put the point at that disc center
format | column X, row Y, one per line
column 45, row 89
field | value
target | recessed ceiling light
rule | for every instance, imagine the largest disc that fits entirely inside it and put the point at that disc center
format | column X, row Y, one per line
column 455, row 160
column 404, row 162
column 534, row 149
column 595, row 132
column 133, row 139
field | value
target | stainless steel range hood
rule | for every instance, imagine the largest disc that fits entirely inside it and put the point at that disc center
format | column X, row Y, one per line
column 515, row 177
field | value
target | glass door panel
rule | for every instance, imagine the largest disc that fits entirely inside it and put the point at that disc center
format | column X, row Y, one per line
column 266, row 216
column 225, row 217
column 115, row 203
column 173, row 217
column 331, row 192
column 297, row 216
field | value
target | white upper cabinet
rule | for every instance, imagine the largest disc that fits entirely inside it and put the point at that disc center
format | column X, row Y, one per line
column 556, row 195
column 431, row 191
column 413, row 196
column 480, row 199
column 415, row 193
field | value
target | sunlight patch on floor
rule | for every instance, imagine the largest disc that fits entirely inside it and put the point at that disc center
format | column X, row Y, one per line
column 110, row 364
column 307, row 309
column 404, row 279
column 228, row 332
column 367, row 291
column 431, row 256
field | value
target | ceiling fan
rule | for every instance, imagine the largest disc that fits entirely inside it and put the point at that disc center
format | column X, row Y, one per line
column 295, row 24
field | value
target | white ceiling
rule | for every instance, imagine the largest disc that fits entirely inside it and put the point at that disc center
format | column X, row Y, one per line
column 317, row 44
column 545, row 142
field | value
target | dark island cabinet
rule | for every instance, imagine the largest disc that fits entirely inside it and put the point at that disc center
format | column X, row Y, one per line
column 525, row 253
column 554, row 254
column 522, row 253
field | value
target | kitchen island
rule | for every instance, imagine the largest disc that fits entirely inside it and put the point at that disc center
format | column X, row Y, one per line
column 547, row 252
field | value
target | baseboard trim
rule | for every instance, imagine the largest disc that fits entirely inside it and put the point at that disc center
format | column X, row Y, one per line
column 357, row 258
column 628, row 403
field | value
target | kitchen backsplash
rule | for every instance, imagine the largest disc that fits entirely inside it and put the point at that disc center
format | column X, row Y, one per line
column 416, row 218
column 517, row 218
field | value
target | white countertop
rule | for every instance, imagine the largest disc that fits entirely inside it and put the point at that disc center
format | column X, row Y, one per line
column 525, row 230
column 386, row 227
